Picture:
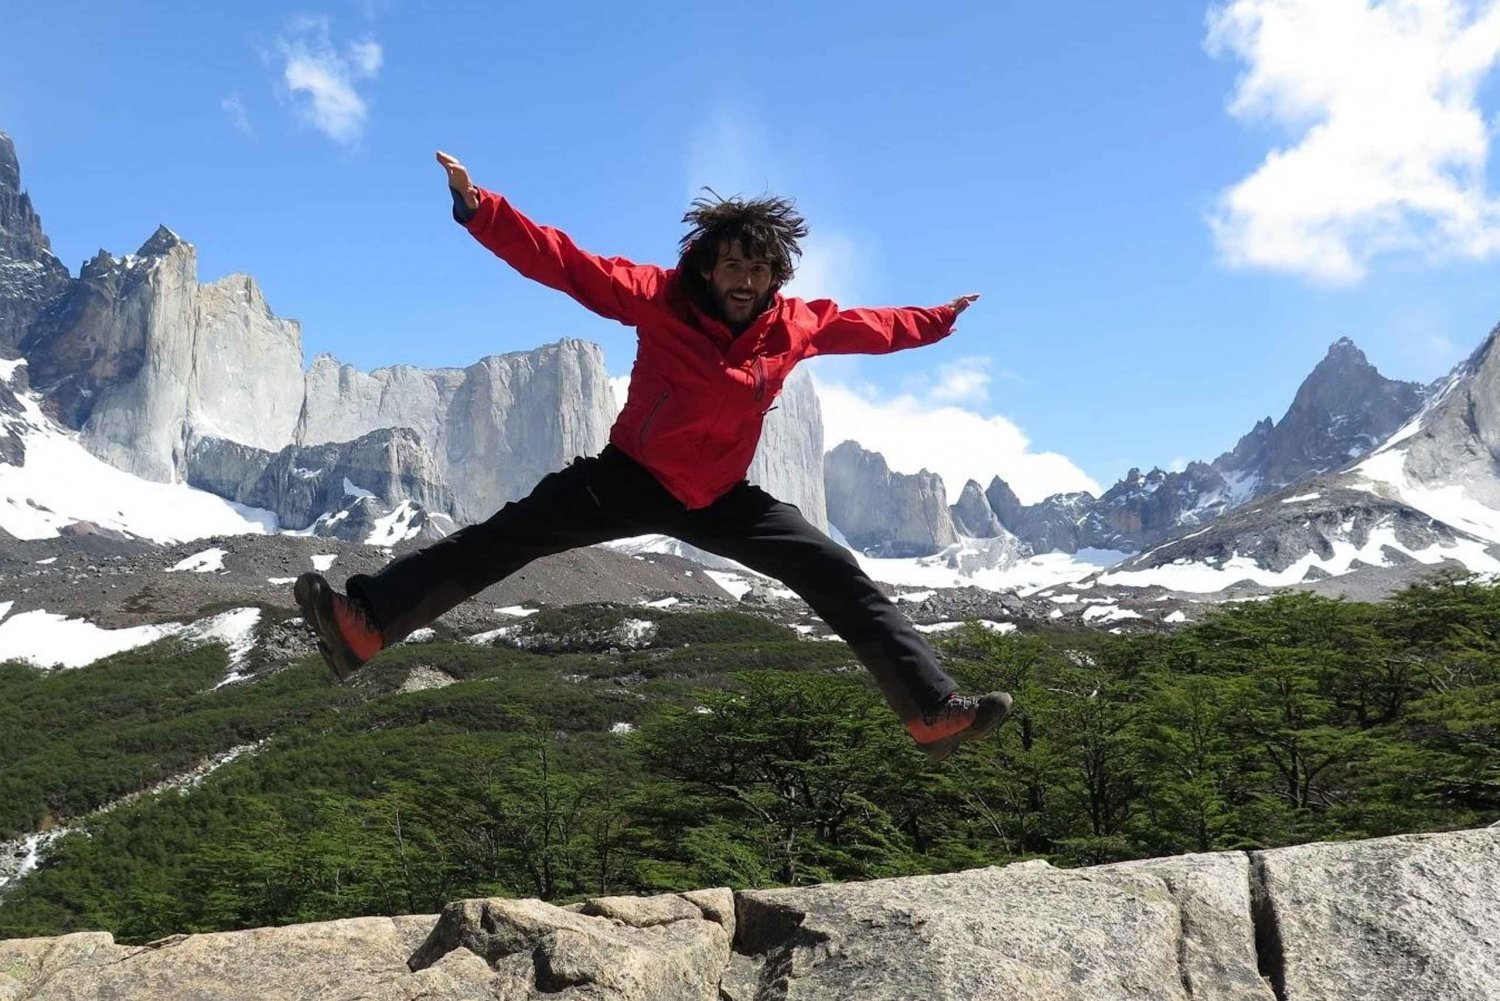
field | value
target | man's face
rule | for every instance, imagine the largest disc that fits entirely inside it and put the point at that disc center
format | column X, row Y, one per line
column 741, row 287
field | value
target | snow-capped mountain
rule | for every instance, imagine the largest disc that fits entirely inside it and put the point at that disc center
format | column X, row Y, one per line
column 1428, row 496
column 177, row 381
column 1342, row 410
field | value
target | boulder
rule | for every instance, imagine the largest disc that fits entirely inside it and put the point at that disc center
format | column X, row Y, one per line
column 656, row 949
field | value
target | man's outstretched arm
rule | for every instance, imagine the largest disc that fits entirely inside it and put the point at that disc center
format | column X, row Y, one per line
column 881, row 330
column 610, row 286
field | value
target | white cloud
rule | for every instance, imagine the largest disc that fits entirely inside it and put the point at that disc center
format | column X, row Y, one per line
column 831, row 268
column 964, row 381
column 235, row 109
column 621, row 386
column 322, row 80
column 1391, row 144
column 917, row 432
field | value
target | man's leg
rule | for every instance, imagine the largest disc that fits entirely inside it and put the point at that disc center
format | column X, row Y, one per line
column 592, row 500
column 771, row 537
column 565, row 510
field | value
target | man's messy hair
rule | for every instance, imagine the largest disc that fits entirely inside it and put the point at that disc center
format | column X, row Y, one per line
column 767, row 229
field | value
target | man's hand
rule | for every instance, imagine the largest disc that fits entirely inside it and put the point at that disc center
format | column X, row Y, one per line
column 962, row 302
column 458, row 179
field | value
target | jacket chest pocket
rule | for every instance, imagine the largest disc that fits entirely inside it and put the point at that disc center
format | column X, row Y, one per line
column 769, row 375
column 653, row 410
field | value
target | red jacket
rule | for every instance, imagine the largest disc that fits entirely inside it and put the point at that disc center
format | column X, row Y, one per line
column 698, row 393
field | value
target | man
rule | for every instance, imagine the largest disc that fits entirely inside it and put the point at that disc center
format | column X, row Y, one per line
column 716, row 341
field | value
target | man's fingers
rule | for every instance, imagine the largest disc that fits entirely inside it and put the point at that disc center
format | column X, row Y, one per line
column 963, row 302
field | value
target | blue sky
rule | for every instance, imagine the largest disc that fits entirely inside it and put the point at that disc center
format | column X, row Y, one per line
column 1171, row 209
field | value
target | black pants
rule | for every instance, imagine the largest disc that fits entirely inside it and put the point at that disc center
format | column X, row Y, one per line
column 610, row 496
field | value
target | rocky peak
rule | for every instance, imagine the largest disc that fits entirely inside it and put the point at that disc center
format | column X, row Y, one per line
column 1342, row 410
column 31, row 278
column 161, row 242
column 1003, row 501
column 10, row 166
column 886, row 513
column 973, row 516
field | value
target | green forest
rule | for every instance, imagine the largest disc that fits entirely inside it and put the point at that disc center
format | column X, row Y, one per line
column 752, row 757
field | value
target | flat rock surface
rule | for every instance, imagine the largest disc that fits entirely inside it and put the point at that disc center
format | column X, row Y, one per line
column 1408, row 918
column 1026, row 931
column 297, row 961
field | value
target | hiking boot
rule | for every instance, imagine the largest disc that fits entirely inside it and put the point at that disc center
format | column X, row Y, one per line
column 347, row 634
column 938, row 732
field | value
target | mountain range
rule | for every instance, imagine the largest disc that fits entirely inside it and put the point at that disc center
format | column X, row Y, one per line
column 140, row 367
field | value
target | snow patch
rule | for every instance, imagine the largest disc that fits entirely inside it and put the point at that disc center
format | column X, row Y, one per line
column 47, row 562
column 398, row 526
column 1201, row 578
column 322, row 562
column 1025, row 576
column 638, row 630
column 621, row 728
column 480, row 639
column 1301, row 497
column 1448, row 504
column 1109, row 613
column 350, row 490
column 1177, row 616
column 236, row 630
column 666, row 602
column 45, row 639
column 939, row 627
column 519, row 611
column 944, row 627
column 735, row 584
column 208, row 561
column 62, row 483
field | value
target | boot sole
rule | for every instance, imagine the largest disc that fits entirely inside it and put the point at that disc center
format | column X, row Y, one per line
column 940, row 749
column 315, row 599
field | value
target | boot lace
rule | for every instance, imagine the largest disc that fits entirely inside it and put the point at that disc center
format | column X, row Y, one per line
column 954, row 706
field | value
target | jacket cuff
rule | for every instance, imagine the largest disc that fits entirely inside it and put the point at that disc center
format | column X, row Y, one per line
column 461, row 211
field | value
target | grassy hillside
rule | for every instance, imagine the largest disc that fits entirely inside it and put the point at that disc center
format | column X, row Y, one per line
column 753, row 757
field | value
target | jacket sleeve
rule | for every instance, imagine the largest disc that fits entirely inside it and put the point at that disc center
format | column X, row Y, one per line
column 610, row 286
column 881, row 330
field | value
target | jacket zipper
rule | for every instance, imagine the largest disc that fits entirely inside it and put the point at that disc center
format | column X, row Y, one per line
column 760, row 379
column 640, row 436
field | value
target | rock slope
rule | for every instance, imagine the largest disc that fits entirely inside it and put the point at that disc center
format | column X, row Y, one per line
column 1407, row 918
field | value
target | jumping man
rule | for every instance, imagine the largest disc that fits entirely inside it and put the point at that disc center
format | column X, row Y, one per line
column 716, row 341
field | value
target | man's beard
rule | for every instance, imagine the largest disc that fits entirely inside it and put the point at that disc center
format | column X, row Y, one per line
column 720, row 303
